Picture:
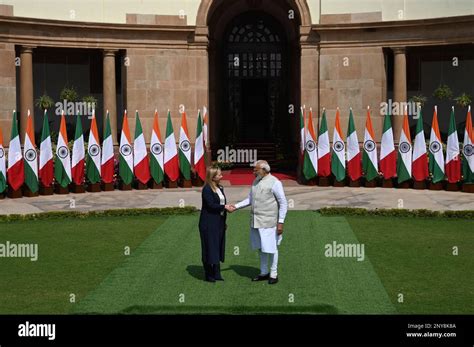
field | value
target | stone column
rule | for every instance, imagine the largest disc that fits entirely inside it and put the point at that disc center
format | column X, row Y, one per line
column 26, row 86
column 399, row 87
column 109, row 91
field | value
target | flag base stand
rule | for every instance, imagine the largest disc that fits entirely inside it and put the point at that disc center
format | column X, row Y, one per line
column 354, row 184
column 452, row 187
column 125, row 186
column 140, row 186
column 153, row 185
column 2, row 195
column 323, row 181
column 339, row 183
column 59, row 189
column 436, row 186
column 404, row 185
column 14, row 194
column 198, row 182
column 93, row 187
column 28, row 193
column 107, row 187
column 183, row 183
column 387, row 183
column 419, row 185
column 311, row 182
column 77, row 188
column 468, row 188
column 371, row 184
column 46, row 190
column 171, row 184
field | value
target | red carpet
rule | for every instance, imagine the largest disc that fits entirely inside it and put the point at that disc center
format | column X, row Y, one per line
column 245, row 177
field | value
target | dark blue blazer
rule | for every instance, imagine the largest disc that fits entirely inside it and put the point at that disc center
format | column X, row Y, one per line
column 212, row 226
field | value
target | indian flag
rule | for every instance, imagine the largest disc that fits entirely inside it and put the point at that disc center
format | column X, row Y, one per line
column 310, row 163
column 199, row 164
column 388, row 156
column 171, row 153
column 369, row 156
column 62, row 164
column 31, row 156
column 468, row 151
column 205, row 126
column 184, row 149
column 46, row 166
column 436, row 157
column 107, row 161
column 324, row 155
column 126, row 153
column 15, row 171
column 353, row 151
column 302, row 132
column 78, row 154
column 453, row 160
column 3, row 171
column 157, row 152
column 420, row 160
column 141, row 165
column 93, row 153
column 404, row 152
column 338, row 159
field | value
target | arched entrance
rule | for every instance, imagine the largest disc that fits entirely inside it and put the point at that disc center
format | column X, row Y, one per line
column 254, row 78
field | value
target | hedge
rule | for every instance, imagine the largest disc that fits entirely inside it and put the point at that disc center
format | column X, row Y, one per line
column 394, row 212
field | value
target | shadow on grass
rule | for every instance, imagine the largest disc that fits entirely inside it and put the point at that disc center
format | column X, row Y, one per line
column 197, row 271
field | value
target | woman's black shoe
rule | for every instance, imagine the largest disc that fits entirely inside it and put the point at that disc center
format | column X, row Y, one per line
column 217, row 272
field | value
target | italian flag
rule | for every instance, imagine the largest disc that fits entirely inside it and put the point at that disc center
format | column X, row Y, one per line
column 46, row 166
column 62, row 164
column 157, row 152
column 15, row 171
column 93, row 153
column 404, row 152
column 78, row 154
column 420, row 160
column 126, row 153
column 388, row 156
column 468, row 151
column 453, row 160
column 31, row 156
column 3, row 171
column 338, row 159
column 171, row 154
column 324, row 155
column 205, row 126
column 302, row 133
column 107, row 161
column 199, row 164
column 369, row 156
column 184, row 149
column 436, row 157
column 141, row 165
column 310, row 162
column 353, row 151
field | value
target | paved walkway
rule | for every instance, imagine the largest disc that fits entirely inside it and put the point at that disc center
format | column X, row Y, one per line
column 299, row 197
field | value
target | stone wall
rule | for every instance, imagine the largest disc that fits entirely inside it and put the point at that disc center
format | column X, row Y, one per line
column 7, row 88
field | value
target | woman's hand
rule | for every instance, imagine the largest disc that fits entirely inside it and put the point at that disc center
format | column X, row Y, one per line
column 230, row 208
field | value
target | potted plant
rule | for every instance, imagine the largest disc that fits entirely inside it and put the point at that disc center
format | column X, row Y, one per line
column 443, row 92
column 90, row 100
column 69, row 94
column 463, row 100
column 418, row 99
column 45, row 102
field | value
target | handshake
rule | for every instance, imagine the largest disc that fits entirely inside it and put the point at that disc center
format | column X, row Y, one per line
column 230, row 208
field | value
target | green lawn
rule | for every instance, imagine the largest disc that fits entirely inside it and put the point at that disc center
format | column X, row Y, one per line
column 163, row 273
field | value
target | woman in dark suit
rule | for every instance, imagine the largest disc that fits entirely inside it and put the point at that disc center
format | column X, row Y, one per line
column 212, row 225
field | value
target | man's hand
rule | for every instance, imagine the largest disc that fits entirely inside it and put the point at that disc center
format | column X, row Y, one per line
column 230, row 208
column 280, row 228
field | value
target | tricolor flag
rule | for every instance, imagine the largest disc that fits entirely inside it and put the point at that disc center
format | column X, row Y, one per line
column 3, row 172
column 184, row 149
column 420, row 160
column 338, row 159
column 126, row 153
column 62, row 164
column 107, row 161
column 302, row 132
column 369, row 157
column 141, row 164
column 205, row 123
column 353, row 151
column 388, row 156
column 453, row 160
column 171, row 153
column 46, row 166
column 199, row 164
column 93, row 153
column 468, row 151
column 324, row 155
column 15, row 171
column 404, row 152
column 31, row 156
column 436, row 157
column 310, row 162
column 78, row 154
column 157, row 152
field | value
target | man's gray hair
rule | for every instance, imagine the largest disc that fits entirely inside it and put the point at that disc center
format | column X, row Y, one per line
column 263, row 164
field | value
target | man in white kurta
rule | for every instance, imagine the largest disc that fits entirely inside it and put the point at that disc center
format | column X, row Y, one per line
column 268, row 211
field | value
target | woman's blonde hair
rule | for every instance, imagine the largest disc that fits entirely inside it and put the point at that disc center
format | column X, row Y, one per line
column 211, row 172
